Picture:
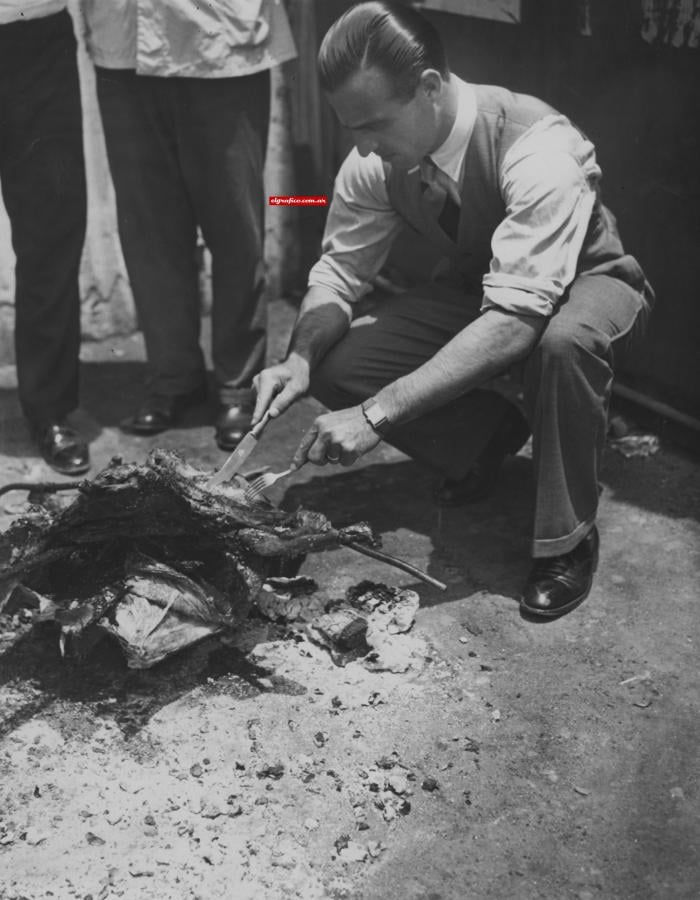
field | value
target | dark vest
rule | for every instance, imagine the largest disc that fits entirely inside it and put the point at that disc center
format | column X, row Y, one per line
column 501, row 118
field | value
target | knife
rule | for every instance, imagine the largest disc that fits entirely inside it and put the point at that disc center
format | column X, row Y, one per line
column 239, row 455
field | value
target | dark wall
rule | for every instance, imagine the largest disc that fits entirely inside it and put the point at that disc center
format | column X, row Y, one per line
column 640, row 105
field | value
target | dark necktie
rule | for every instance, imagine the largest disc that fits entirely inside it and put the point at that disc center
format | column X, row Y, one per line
column 448, row 218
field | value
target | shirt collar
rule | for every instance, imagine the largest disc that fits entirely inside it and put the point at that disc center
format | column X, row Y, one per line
column 450, row 155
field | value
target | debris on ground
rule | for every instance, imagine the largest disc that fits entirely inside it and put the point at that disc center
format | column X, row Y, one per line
column 288, row 600
column 390, row 784
column 353, row 852
column 641, row 690
column 636, row 445
column 371, row 623
column 343, row 632
column 273, row 770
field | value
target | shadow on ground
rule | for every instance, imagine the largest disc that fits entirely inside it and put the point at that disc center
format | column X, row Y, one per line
column 483, row 547
column 665, row 483
column 100, row 683
column 110, row 392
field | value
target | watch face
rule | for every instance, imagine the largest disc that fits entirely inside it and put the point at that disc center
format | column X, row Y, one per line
column 375, row 416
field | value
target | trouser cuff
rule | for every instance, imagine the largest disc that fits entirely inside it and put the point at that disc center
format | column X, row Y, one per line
column 547, row 547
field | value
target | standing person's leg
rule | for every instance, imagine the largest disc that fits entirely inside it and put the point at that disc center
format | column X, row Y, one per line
column 568, row 380
column 43, row 182
column 396, row 336
column 223, row 132
column 158, row 231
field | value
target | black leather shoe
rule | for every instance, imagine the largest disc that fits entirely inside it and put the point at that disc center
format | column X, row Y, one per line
column 558, row 584
column 233, row 423
column 63, row 448
column 480, row 480
column 161, row 411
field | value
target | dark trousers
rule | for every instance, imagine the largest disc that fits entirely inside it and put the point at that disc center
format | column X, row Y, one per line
column 566, row 382
column 43, row 186
column 185, row 152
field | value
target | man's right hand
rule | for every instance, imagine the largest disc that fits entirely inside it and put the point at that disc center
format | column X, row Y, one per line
column 279, row 386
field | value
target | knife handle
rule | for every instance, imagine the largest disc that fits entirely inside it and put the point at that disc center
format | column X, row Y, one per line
column 257, row 430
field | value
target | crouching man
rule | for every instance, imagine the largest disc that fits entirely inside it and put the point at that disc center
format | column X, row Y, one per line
column 535, row 283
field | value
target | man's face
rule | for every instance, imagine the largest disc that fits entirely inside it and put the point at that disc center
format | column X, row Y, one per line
column 400, row 131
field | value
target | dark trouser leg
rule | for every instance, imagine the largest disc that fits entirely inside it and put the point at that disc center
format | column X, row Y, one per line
column 222, row 135
column 157, row 223
column 43, row 183
column 568, row 379
column 396, row 336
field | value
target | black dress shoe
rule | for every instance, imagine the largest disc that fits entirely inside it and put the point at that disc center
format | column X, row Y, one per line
column 161, row 411
column 480, row 480
column 558, row 584
column 233, row 423
column 62, row 448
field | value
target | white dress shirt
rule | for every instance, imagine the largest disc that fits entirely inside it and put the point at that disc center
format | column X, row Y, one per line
column 21, row 10
column 548, row 182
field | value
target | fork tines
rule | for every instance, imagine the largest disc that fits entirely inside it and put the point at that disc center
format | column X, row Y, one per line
column 263, row 482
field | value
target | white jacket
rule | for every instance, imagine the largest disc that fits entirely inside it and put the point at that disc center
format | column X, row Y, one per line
column 188, row 38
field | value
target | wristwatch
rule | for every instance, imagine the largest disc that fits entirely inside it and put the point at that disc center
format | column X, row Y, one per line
column 376, row 417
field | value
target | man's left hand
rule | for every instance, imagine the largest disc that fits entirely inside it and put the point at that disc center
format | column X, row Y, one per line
column 337, row 437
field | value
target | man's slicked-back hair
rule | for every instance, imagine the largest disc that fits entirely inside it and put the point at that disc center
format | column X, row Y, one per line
column 389, row 36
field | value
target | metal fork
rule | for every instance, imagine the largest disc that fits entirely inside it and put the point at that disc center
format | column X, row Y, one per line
column 265, row 481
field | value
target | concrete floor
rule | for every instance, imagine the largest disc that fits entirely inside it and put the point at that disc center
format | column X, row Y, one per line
column 565, row 752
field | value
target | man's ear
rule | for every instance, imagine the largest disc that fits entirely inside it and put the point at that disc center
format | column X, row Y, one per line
column 431, row 83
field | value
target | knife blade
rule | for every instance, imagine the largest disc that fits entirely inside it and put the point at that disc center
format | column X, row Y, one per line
column 239, row 455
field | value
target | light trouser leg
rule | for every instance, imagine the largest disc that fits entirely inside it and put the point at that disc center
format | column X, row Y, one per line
column 394, row 337
column 568, row 380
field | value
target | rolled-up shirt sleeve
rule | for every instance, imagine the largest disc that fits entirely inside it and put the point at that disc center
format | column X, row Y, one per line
column 360, row 229
column 549, row 182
